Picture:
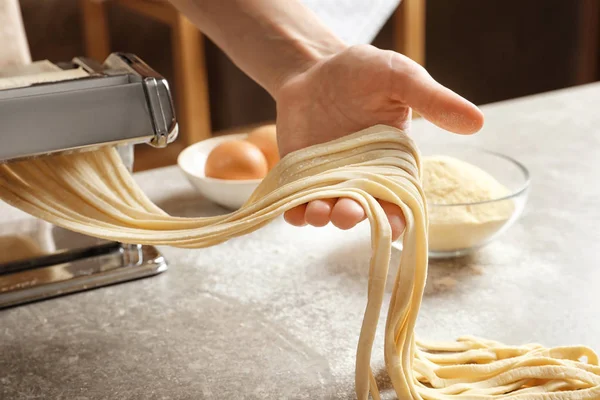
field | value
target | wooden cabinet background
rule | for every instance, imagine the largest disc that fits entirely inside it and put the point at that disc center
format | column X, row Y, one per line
column 485, row 50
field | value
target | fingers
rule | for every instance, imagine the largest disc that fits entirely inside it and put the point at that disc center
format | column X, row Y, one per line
column 396, row 218
column 343, row 213
column 295, row 216
column 412, row 85
column 346, row 214
column 318, row 212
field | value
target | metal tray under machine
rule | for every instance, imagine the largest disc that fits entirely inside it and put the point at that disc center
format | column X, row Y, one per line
column 49, row 108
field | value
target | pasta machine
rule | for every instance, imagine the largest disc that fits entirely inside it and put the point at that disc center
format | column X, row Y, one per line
column 48, row 108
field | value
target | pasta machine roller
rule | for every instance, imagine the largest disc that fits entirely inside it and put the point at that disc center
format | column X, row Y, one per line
column 48, row 108
column 122, row 101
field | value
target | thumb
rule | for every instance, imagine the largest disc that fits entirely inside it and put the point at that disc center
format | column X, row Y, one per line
column 413, row 86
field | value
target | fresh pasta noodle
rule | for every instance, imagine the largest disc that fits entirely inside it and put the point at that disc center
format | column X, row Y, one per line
column 94, row 194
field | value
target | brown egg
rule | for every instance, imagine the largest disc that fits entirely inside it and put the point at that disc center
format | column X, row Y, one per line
column 236, row 160
column 265, row 138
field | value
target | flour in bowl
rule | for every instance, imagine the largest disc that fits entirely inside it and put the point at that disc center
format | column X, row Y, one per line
column 456, row 193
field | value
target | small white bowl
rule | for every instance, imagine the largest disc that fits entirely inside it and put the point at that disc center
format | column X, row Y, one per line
column 230, row 194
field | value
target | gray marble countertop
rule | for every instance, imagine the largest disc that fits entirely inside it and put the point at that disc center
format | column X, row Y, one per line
column 276, row 314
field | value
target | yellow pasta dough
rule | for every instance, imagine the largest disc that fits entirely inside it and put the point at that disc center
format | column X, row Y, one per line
column 94, row 194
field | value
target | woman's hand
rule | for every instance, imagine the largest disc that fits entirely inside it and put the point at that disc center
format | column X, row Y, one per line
column 352, row 90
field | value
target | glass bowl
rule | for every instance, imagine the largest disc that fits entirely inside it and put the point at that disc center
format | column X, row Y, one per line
column 458, row 229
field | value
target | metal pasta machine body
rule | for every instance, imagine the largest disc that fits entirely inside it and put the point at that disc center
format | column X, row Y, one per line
column 49, row 108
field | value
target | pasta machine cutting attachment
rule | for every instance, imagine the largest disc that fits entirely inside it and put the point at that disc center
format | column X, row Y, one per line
column 48, row 108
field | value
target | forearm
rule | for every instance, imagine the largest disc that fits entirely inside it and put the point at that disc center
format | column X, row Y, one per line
column 270, row 40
